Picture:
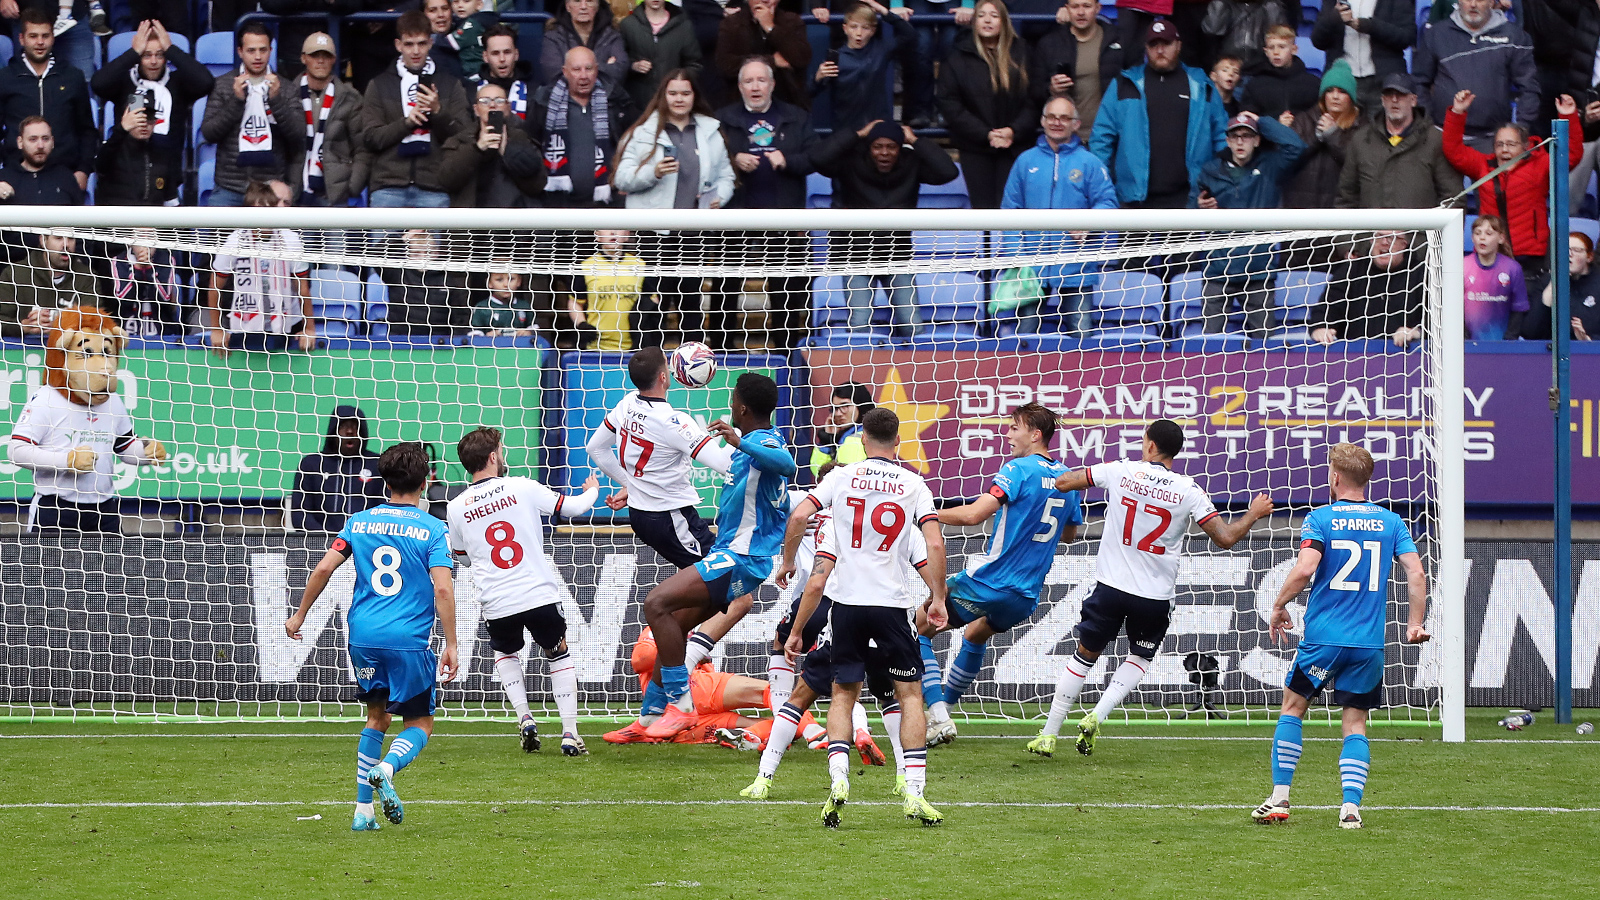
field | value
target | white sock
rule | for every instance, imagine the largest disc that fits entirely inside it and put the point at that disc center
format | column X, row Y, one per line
column 564, row 684
column 838, row 765
column 388, row 769
column 916, row 771
column 783, row 729
column 858, row 718
column 781, row 676
column 1122, row 683
column 509, row 668
column 891, row 723
column 1280, row 793
column 939, row 712
column 697, row 648
column 1067, row 688
column 365, row 809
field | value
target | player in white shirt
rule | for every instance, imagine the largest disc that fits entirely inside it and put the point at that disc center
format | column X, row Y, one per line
column 647, row 448
column 1148, row 510
column 497, row 528
column 267, row 289
column 874, row 506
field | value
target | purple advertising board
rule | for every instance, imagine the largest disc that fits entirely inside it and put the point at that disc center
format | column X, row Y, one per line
column 1254, row 421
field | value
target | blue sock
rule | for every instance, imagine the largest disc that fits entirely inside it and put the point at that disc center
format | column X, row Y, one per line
column 1286, row 746
column 674, row 681
column 405, row 747
column 932, row 692
column 366, row 757
column 964, row 671
column 1354, row 762
column 655, row 700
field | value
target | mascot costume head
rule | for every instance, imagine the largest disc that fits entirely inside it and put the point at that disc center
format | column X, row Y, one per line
column 82, row 351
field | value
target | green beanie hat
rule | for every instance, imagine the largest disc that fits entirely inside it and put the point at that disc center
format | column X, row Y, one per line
column 1338, row 76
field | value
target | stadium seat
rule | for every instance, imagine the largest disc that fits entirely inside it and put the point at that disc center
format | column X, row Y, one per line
column 1184, row 304
column 1466, row 232
column 377, row 299
column 122, row 42
column 1314, row 59
column 195, row 118
column 1297, row 293
column 378, row 330
column 1127, row 298
column 206, row 176
column 215, row 51
column 950, row 296
column 6, row 49
column 1589, row 227
column 843, row 337
column 945, row 196
column 335, row 294
column 937, row 244
column 828, row 307
column 819, row 191
column 336, row 328
column 1211, row 343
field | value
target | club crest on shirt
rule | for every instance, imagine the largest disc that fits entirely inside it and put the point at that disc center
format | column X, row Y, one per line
column 1505, row 278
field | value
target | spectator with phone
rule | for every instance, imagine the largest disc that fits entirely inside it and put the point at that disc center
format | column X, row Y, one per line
column 1372, row 36
column 252, row 118
column 407, row 116
column 493, row 166
column 166, row 80
column 854, row 80
column 133, row 169
column 1076, row 61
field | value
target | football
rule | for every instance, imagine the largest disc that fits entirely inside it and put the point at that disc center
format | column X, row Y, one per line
column 693, row 364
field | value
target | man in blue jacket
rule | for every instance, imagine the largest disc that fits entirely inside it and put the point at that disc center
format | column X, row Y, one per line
column 1250, row 174
column 1058, row 172
column 1158, row 124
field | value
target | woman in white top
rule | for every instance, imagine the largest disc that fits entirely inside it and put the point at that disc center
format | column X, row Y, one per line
column 674, row 158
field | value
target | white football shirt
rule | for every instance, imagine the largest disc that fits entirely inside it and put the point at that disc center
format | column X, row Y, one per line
column 805, row 554
column 655, row 445
column 52, row 422
column 876, row 510
column 499, row 524
column 1148, row 510
column 265, row 296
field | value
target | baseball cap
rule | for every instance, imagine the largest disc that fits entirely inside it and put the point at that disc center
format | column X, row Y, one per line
column 1161, row 30
column 1241, row 121
column 1399, row 82
column 318, row 42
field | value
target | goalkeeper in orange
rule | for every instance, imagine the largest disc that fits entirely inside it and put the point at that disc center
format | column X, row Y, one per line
column 717, row 696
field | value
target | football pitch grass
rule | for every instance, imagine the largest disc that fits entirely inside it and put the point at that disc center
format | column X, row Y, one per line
column 120, row 810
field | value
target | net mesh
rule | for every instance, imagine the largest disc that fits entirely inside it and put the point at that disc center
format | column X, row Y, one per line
column 179, row 609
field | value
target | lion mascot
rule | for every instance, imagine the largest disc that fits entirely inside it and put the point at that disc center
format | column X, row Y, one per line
column 75, row 428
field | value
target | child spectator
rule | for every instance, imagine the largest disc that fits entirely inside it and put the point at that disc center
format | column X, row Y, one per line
column 1245, row 176
column 145, row 283
column 1496, row 298
column 855, row 81
column 1240, row 27
column 1283, row 84
column 503, row 313
column 607, row 295
column 467, row 34
column 265, row 279
column 1225, row 76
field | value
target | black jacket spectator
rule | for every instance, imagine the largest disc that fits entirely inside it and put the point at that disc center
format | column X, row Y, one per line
column 1275, row 90
column 383, row 126
column 973, row 107
column 1058, row 50
column 225, row 111
column 622, row 114
column 1392, row 27
column 846, row 157
column 791, row 134
column 604, row 39
column 61, row 96
column 292, row 33
column 53, row 185
column 187, row 80
column 1565, row 35
column 1366, row 300
column 136, row 173
column 489, row 179
column 675, row 47
column 340, row 480
column 427, row 302
column 1239, row 28
column 741, row 38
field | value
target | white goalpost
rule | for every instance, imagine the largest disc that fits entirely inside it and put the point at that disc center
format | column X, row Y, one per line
column 950, row 317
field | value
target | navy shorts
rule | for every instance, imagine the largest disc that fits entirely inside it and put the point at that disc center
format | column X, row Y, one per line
column 1357, row 673
column 1108, row 611
column 679, row 535
column 545, row 623
column 854, row 629
column 406, row 681
column 816, row 670
column 813, row 626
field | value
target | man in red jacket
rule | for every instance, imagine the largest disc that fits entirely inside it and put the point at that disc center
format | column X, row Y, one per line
column 1520, row 194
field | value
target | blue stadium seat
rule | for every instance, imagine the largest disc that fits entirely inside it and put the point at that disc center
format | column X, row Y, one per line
column 377, row 299
column 1184, row 304
column 6, row 49
column 935, row 244
column 1589, row 227
column 206, row 177
column 1127, row 298
column 819, row 189
column 1315, row 60
column 336, row 328
column 1466, row 232
column 945, row 196
column 1122, row 340
column 122, row 42
column 1297, row 293
column 1211, row 343
column 335, row 294
column 215, row 51
column 378, row 330
column 950, row 296
column 195, row 118
column 828, row 303
column 843, row 337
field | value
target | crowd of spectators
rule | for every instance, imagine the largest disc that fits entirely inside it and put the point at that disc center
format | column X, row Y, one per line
column 677, row 104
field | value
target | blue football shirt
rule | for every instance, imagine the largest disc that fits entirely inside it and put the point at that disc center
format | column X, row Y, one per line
column 393, row 548
column 754, row 507
column 1350, row 592
column 1027, row 528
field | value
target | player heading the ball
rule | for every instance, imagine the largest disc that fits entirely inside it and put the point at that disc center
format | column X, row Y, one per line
column 402, row 560
column 497, row 528
column 1346, row 550
column 1148, row 509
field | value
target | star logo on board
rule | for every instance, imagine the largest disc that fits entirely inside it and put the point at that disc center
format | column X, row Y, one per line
column 915, row 418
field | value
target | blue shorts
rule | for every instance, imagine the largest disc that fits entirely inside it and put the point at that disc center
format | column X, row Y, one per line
column 729, row 576
column 971, row 601
column 406, row 679
column 1357, row 672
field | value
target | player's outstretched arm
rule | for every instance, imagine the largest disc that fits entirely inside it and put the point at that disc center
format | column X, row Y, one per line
column 772, row 460
column 812, row 596
column 934, row 574
column 315, row 584
column 793, row 531
column 1416, row 598
column 444, row 604
column 975, row 513
column 1075, row 480
column 1304, row 568
column 1226, row 534
column 602, row 449
column 580, row 503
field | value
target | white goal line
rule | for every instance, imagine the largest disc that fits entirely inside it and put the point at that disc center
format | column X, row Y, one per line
column 965, row 737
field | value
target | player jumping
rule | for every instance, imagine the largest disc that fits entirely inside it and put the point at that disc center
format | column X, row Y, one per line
column 1003, row 591
column 1347, row 547
column 402, row 580
column 750, row 518
column 1148, row 509
column 874, row 507
column 646, row 447
column 497, row 528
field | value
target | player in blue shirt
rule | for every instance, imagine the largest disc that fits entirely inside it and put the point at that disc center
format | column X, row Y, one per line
column 1346, row 550
column 751, row 515
column 1003, row 591
column 403, row 566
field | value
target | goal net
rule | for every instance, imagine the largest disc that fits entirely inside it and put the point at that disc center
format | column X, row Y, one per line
column 1268, row 335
